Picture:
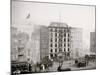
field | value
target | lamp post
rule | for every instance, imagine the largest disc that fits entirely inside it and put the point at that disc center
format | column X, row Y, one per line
column 60, row 59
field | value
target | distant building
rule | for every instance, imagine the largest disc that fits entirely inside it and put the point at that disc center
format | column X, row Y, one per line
column 40, row 40
column 18, row 45
column 14, row 52
column 44, row 42
column 22, row 39
column 35, row 45
column 22, row 57
column 92, row 42
column 75, row 41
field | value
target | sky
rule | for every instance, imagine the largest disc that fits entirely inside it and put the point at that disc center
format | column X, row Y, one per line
column 44, row 13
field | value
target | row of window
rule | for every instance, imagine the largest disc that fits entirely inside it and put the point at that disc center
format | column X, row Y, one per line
column 60, row 35
column 58, row 30
column 59, row 45
column 60, row 50
column 53, row 55
column 60, row 40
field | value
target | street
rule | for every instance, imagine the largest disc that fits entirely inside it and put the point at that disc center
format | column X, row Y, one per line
column 70, row 64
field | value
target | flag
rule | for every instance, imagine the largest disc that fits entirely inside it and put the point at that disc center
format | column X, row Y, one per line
column 28, row 16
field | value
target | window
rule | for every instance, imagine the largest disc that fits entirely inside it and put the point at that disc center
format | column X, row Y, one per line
column 64, row 49
column 20, row 48
column 64, row 39
column 55, row 45
column 51, row 35
column 64, row 30
column 59, row 30
column 60, row 45
column 64, row 44
column 55, row 50
column 55, row 39
column 51, row 39
column 20, row 55
column 60, row 40
column 55, row 34
column 68, row 45
column 55, row 55
column 51, row 50
column 68, row 49
column 59, row 35
column 51, row 55
column 68, row 39
column 51, row 45
column 64, row 34
column 68, row 35
column 60, row 50
column 68, row 54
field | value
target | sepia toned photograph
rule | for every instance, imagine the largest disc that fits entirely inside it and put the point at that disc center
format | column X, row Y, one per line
column 52, row 37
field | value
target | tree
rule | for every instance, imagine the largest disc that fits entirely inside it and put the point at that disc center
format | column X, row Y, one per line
column 23, row 38
column 60, row 59
column 47, row 62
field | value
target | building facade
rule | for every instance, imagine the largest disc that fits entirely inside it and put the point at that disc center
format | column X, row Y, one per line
column 75, row 41
column 35, row 45
column 22, row 39
column 14, row 52
column 92, row 42
column 18, row 45
column 40, row 40
column 44, row 42
column 64, row 39
column 58, row 36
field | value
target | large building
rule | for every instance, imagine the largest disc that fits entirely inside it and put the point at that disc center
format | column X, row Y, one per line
column 58, row 36
column 93, row 42
column 40, row 40
column 64, row 39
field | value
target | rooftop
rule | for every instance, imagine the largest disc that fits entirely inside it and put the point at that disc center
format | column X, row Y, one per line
column 58, row 24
